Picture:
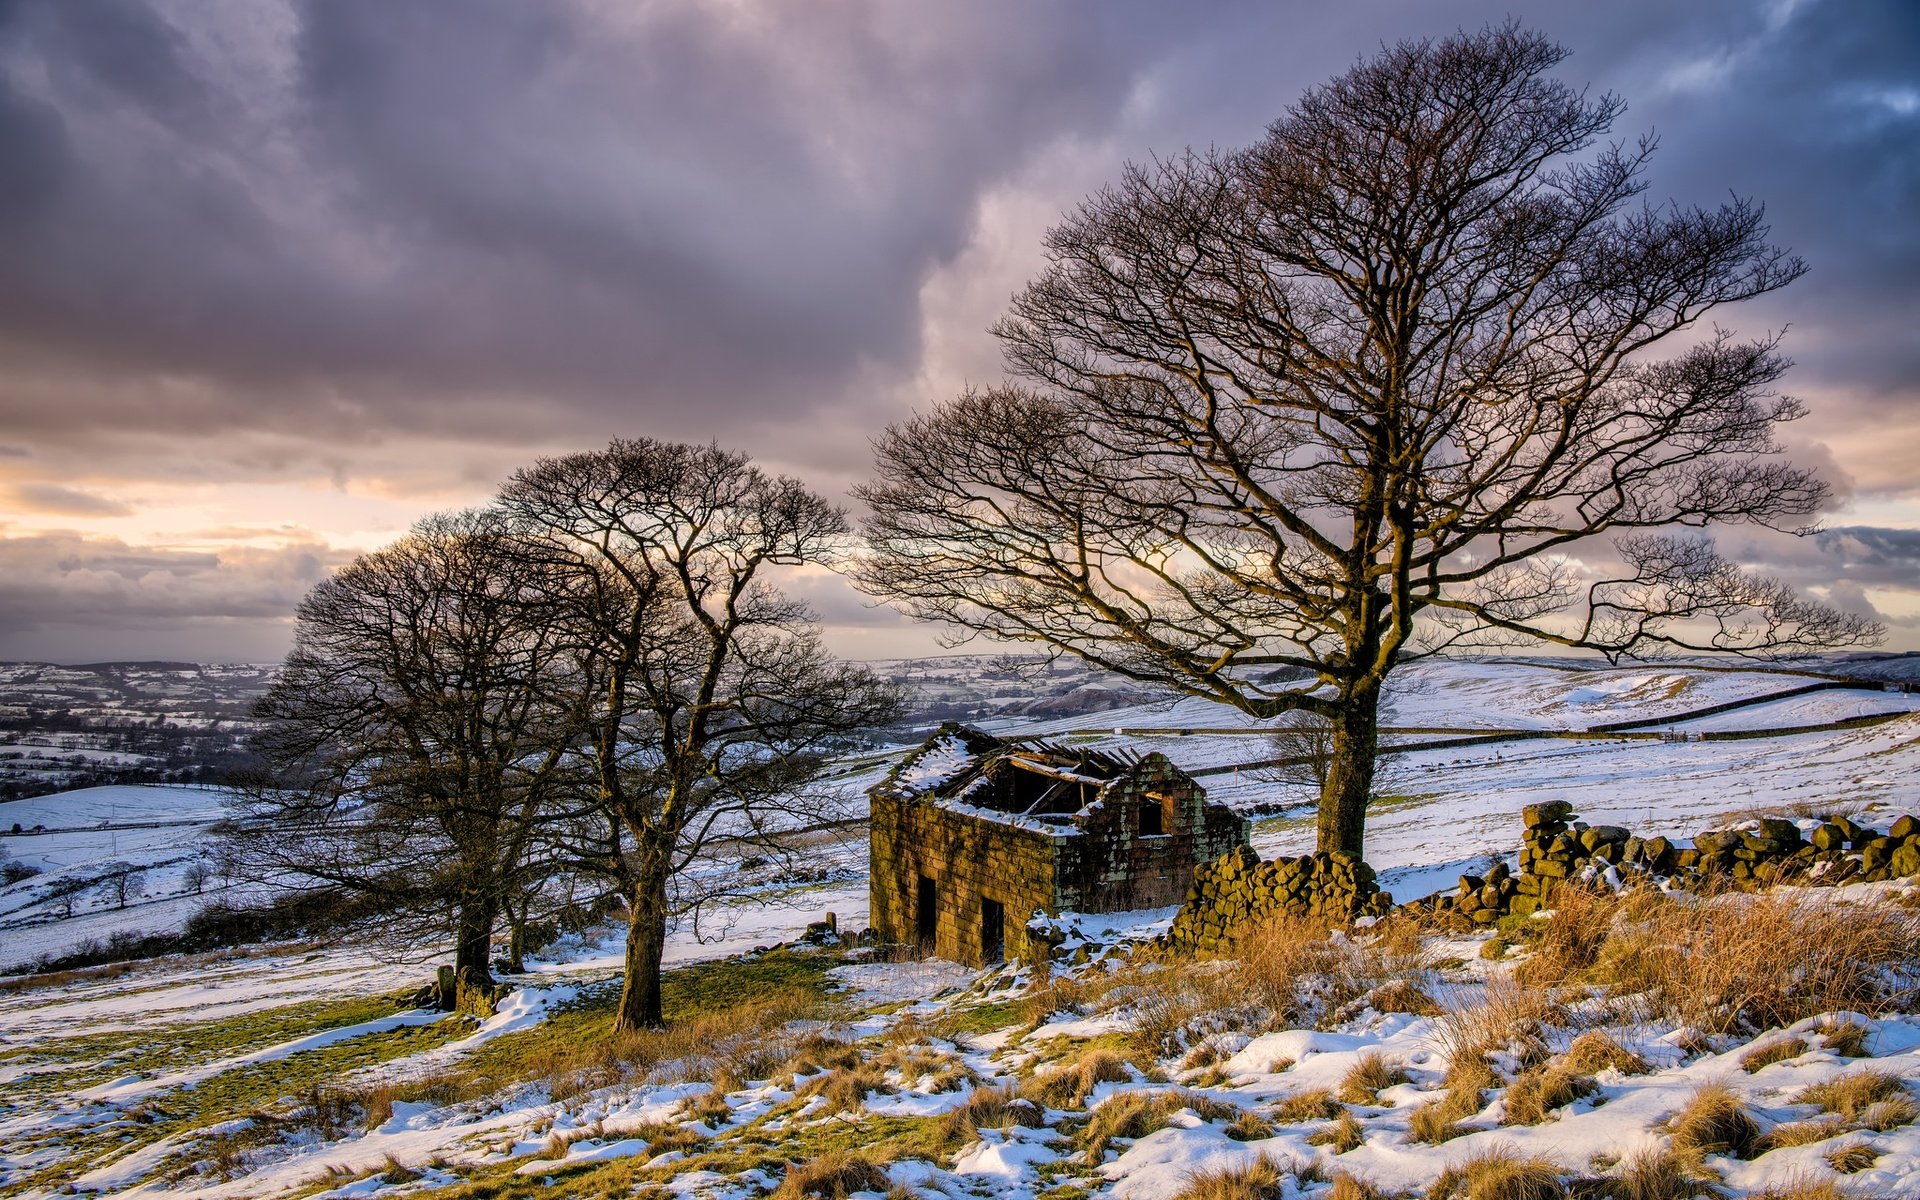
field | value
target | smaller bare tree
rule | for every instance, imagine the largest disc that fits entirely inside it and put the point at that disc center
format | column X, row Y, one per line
column 713, row 703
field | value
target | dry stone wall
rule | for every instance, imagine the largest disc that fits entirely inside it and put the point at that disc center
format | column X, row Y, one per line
column 1239, row 892
column 1556, row 847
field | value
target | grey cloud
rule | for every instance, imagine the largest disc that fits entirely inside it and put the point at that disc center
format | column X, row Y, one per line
column 64, row 595
column 65, row 501
column 318, row 225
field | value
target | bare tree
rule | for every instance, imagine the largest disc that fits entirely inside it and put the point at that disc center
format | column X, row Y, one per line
column 1380, row 385
column 125, row 883
column 1302, row 744
column 417, row 736
column 712, row 700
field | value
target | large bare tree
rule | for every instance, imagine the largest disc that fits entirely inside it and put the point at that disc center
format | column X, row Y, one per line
column 713, row 703
column 1387, row 382
column 418, row 735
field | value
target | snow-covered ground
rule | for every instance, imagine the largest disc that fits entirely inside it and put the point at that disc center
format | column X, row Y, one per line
column 1453, row 809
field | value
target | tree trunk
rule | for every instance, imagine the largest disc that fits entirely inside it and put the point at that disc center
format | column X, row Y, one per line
column 1343, row 797
column 646, row 941
column 516, row 940
column 473, row 943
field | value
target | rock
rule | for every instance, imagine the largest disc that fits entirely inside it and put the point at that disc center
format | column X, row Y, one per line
column 1716, row 841
column 1779, row 830
column 1904, row 862
column 1551, row 810
column 1830, row 836
column 1905, row 827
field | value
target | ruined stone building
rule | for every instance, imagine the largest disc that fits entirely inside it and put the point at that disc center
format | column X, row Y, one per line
column 973, row 835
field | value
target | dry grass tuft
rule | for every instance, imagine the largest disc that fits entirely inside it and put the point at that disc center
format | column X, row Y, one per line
column 1250, row 1126
column 845, row 1089
column 1352, row 1187
column 1777, row 1051
column 832, row 1176
column 1569, row 940
column 1852, row 1158
column 1852, row 1095
column 1467, row 1082
column 1137, row 1114
column 1715, row 1122
column 1368, row 1077
column 1261, row 1179
column 1805, row 1187
column 1499, row 1173
column 1509, row 1016
column 1070, row 1086
column 1593, row 1052
column 990, row 1108
column 1801, row 1133
column 1720, row 964
column 1657, row 1175
column 1848, row 1039
column 1316, row 1105
column 1343, row 1134
column 1536, row 1093
column 1401, row 996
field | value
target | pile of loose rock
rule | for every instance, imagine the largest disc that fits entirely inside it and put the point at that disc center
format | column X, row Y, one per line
column 1238, row 892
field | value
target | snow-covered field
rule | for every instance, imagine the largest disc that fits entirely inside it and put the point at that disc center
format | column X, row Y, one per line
column 141, row 1083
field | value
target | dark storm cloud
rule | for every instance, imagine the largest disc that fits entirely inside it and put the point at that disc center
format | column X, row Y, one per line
column 421, row 216
column 424, row 205
column 318, row 226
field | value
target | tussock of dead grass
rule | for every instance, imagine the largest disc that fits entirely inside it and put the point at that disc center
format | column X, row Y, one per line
column 845, row 1089
column 687, row 1049
column 1781, row 1050
column 1353, row 1187
column 1593, row 1052
column 1249, row 1126
column 990, row 1108
column 1288, row 972
column 1368, row 1077
column 1261, row 1179
column 1656, row 1175
column 832, row 1176
column 1719, row 963
column 1499, row 1173
column 1509, row 1015
column 1069, row 1086
column 1467, row 1081
column 1806, row 1187
column 1848, row 1039
column 1801, row 1133
column 1316, row 1105
column 1401, row 996
column 1533, row 1096
column 1851, row 1096
column 1343, row 1134
column 1137, row 1114
column 1715, row 1122
column 1568, row 941
column 1852, row 1158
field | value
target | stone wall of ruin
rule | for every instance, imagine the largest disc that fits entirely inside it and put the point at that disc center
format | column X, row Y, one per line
column 969, row 860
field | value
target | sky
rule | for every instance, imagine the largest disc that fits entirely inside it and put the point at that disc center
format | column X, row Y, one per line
column 279, row 278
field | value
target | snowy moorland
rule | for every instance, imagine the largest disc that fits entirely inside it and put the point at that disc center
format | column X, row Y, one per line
column 1629, row 1045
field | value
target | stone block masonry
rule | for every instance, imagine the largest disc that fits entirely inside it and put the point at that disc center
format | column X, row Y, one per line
column 1239, row 892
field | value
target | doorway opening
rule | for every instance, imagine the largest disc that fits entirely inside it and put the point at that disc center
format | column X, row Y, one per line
column 993, row 931
column 926, row 914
